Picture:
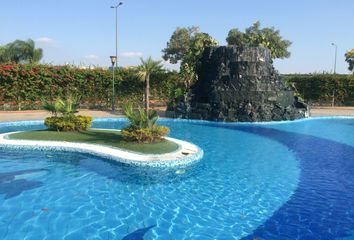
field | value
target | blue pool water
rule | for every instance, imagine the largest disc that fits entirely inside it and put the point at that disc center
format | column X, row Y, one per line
column 290, row 180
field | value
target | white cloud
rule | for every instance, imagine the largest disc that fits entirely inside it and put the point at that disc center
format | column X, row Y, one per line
column 171, row 66
column 91, row 57
column 131, row 54
column 46, row 41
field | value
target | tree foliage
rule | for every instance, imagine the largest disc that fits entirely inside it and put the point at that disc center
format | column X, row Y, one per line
column 186, row 46
column 179, row 44
column 20, row 51
column 349, row 58
column 255, row 36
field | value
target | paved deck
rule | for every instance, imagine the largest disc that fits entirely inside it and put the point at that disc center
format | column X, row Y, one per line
column 331, row 111
column 6, row 116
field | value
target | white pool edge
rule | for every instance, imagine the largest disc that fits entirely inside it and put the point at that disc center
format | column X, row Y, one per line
column 186, row 154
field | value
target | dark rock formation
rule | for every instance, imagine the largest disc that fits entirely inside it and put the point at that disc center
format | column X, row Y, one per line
column 237, row 84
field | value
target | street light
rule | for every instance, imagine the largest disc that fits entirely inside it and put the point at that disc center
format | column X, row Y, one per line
column 113, row 61
column 335, row 57
column 334, row 70
column 114, row 58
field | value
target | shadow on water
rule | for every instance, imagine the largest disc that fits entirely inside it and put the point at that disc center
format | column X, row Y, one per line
column 12, row 187
column 141, row 175
column 125, row 173
column 138, row 234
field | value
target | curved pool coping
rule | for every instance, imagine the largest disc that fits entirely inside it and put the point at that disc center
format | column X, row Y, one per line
column 186, row 154
column 162, row 119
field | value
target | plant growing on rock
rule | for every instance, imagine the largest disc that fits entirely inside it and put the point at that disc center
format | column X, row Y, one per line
column 186, row 46
column 255, row 36
column 142, row 126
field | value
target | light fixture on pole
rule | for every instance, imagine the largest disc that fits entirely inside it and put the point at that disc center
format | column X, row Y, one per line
column 113, row 61
column 335, row 57
column 116, row 62
column 334, row 70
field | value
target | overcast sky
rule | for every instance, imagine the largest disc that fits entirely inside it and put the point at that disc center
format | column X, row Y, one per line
column 83, row 32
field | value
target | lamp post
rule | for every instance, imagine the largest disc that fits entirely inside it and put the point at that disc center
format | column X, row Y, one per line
column 335, row 57
column 334, row 69
column 114, row 61
column 114, row 65
column 114, row 58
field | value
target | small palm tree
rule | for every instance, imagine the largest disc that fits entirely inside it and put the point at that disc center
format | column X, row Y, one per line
column 67, row 107
column 140, row 119
column 147, row 67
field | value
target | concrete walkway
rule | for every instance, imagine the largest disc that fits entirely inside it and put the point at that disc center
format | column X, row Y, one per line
column 6, row 116
column 331, row 111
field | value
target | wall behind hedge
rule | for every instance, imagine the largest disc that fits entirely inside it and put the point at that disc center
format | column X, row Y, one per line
column 24, row 86
column 323, row 88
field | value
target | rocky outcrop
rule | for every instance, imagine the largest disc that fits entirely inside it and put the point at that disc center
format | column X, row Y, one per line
column 236, row 84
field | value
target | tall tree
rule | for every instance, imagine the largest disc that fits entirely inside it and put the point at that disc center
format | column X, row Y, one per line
column 255, row 36
column 186, row 46
column 179, row 44
column 349, row 58
column 146, row 68
column 20, row 51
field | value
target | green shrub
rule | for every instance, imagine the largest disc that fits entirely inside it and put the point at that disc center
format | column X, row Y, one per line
column 143, row 127
column 71, row 123
column 146, row 135
column 83, row 122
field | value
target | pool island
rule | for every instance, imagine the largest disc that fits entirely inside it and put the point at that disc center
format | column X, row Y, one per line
column 107, row 143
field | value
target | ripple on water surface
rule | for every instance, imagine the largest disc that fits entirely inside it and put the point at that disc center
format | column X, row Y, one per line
column 240, row 182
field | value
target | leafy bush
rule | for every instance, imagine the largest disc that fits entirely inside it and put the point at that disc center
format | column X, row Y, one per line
column 146, row 135
column 72, row 123
column 142, row 127
column 66, row 121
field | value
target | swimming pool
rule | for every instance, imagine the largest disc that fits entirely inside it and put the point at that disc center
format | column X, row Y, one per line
column 292, row 180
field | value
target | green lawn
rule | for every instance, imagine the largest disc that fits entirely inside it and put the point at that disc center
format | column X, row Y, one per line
column 102, row 137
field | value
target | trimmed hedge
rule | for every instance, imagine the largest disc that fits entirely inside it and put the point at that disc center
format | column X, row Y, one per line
column 323, row 88
column 69, row 123
column 152, row 134
column 25, row 86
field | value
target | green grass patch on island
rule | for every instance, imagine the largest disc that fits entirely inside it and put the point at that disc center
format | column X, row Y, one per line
column 103, row 137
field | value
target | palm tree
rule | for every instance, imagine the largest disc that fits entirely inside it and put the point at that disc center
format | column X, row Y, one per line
column 20, row 51
column 147, row 67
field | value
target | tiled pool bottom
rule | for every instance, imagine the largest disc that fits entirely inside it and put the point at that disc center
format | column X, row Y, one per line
column 274, row 181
